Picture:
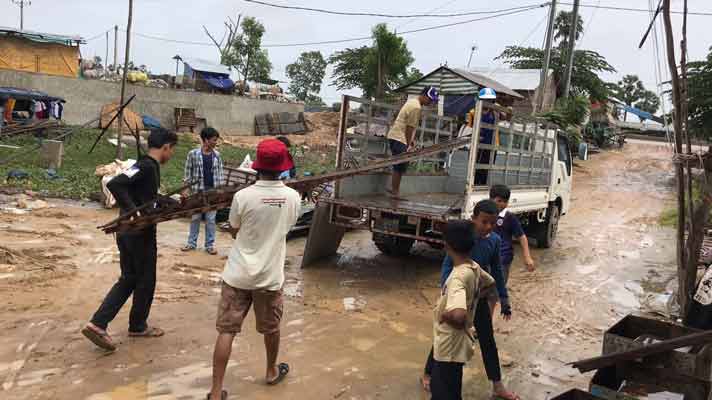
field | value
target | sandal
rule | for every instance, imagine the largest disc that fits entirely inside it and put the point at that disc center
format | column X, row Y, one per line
column 211, row 251
column 98, row 336
column 187, row 248
column 283, row 371
column 223, row 395
column 425, row 383
column 505, row 396
column 151, row 331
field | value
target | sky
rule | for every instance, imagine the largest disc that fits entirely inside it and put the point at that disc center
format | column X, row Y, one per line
column 614, row 34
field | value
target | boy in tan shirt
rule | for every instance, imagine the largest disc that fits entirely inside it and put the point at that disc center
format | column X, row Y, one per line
column 454, row 313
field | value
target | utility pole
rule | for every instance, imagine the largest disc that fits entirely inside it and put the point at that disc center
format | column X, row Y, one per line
column 106, row 60
column 547, row 57
column 472, row 51
column 572, row 47
column 120, row 120
column 21, row 4
column 116, row 42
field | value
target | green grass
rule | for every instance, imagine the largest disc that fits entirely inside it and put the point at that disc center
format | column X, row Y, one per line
column 668, row 218
column 77, row 172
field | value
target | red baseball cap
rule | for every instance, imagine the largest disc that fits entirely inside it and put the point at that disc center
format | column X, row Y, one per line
column 272, row 155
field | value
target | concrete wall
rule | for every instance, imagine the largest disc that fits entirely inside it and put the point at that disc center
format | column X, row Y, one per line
column 231, row 115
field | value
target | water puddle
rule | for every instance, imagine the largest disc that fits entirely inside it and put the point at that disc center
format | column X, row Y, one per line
column 188, row 382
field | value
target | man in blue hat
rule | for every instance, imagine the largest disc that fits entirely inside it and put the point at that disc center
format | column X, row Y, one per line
column 401, row 137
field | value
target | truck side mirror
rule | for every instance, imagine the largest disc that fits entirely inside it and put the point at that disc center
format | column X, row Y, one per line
column 583, row 151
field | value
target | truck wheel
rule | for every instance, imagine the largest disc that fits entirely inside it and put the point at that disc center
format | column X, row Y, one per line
column 547, row 233
column 392, row 245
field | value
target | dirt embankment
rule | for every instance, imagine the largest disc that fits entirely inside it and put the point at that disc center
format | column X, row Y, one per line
column 322, row 127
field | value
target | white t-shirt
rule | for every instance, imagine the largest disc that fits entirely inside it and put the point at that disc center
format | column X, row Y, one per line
column 264, row 213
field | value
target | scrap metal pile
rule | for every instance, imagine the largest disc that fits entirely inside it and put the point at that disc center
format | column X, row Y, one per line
column 166, row 209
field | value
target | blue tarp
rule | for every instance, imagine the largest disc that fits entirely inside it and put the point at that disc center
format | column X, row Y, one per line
column 23, row 94
column 640, row 113
column 458, row 105
column 150, row 122
column 220, row 82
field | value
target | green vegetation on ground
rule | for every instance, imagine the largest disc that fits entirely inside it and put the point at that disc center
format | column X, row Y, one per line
column 76, row 176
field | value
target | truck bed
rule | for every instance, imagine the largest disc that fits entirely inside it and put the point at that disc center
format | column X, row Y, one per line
column 430, row 205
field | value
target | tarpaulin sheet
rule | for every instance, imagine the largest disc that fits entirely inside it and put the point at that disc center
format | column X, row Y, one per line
column 23, row 94
column 219, row 82
column 640, row 113
column 150, row 122
column 46, row 58
column 458, row 105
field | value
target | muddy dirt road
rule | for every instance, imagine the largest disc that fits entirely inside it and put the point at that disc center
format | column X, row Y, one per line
column 356, row 327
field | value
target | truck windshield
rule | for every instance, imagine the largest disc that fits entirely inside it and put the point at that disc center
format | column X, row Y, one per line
column 564, row 153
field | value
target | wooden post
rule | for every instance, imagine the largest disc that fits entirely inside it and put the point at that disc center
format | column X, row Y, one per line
column 119, row 151
column 684, row 290
column 572, row 48
column 547, row 58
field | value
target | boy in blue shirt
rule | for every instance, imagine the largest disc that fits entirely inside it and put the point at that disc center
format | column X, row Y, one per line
column 486, row 253
column 509, row 228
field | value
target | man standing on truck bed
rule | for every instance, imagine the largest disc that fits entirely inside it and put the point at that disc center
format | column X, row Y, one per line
column 401, row 137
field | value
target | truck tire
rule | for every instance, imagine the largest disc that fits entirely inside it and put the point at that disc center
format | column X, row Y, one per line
column 392, row 245
column 547, row 232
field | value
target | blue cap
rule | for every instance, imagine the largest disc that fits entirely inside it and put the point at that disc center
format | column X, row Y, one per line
column 487, row 94
column 431, row 93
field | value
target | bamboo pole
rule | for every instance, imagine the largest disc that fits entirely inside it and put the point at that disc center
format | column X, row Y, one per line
column 119, row 150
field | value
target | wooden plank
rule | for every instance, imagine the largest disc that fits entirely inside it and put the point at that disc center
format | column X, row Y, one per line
column 594, row 363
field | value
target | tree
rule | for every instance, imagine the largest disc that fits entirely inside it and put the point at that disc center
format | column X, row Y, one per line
column 631, row 91
column 562, row 28
column 306, row 75
column 245, row 53
column 649, row 102
column 699, row 84
column 374, row 69
column 587, row 63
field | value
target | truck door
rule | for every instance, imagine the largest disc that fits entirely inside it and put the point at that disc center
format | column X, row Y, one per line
column 562, row 173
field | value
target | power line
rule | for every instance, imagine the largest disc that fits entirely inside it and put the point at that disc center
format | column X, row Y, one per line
column 354, row 39
column 365, row 14
column 97, row 36
column 645, row 10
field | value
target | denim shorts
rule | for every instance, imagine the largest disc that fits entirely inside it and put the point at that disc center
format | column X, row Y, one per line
column 396, row 149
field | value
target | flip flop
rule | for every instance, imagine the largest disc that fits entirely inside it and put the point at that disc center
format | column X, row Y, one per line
column 283, row 371
column 505, row 396
column 99, row 338
column 425, row 384
column 151, row 331
column 223, row 395
column 211, row 251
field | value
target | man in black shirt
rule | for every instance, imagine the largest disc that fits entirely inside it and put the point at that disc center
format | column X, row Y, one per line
column 137, row 249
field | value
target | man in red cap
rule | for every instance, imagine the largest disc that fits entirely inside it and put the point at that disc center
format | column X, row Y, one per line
column 261, row 216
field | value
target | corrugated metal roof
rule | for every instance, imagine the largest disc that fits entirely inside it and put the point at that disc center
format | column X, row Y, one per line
column 42, row 37
column 456, row 82
column 517, row 79
column 199, row 64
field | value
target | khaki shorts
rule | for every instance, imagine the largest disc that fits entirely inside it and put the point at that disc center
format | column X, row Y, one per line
column 235, row 303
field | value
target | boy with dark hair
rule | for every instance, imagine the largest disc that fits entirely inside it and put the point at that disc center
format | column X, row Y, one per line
column 454, row 313
column 261, row 215
column 292, row 172
column 508, row 228
column 204, row 166
column 137, row 249
column 485, row 253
